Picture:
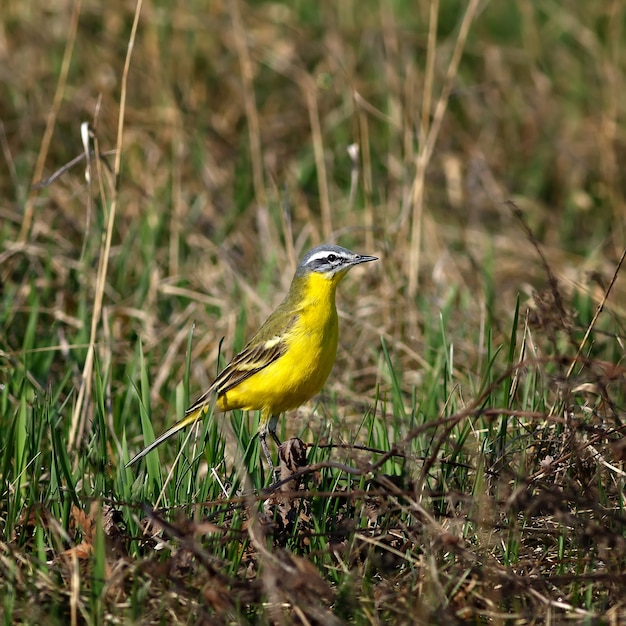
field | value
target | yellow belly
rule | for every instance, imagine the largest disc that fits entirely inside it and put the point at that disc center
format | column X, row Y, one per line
column 300, row 372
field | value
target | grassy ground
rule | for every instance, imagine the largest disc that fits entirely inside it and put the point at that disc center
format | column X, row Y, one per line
column 465, row 462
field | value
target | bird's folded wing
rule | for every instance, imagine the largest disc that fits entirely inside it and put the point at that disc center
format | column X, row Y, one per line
column 245, row 364
column 257, row 355
column 252, row 359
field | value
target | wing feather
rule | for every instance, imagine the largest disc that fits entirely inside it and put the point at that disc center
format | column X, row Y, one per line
column 252, row 359
column 268, row 345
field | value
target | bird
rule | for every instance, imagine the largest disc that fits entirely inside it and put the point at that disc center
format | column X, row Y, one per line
column 289, row 358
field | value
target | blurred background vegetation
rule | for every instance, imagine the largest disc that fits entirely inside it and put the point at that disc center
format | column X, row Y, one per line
column 237, row 124
column 234, row 160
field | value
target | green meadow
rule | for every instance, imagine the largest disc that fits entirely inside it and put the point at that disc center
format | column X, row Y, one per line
column 163, row 168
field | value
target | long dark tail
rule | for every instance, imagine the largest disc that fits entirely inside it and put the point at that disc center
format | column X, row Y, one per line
column 190, row 418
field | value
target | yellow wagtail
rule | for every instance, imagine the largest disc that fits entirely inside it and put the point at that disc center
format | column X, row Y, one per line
column 290, row 357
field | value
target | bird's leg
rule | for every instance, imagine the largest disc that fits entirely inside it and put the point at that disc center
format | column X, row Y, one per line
column 266, row 452
column 269, row 425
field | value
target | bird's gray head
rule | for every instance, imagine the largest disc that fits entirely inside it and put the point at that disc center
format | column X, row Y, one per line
column 330, row 260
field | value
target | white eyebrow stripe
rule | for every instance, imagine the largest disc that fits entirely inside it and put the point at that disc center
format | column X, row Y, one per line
column 323, row 255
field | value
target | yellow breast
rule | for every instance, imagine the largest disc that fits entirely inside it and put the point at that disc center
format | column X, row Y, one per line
column 302, row 370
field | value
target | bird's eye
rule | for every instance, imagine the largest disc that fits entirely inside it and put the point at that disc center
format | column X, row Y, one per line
column 332, row 258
